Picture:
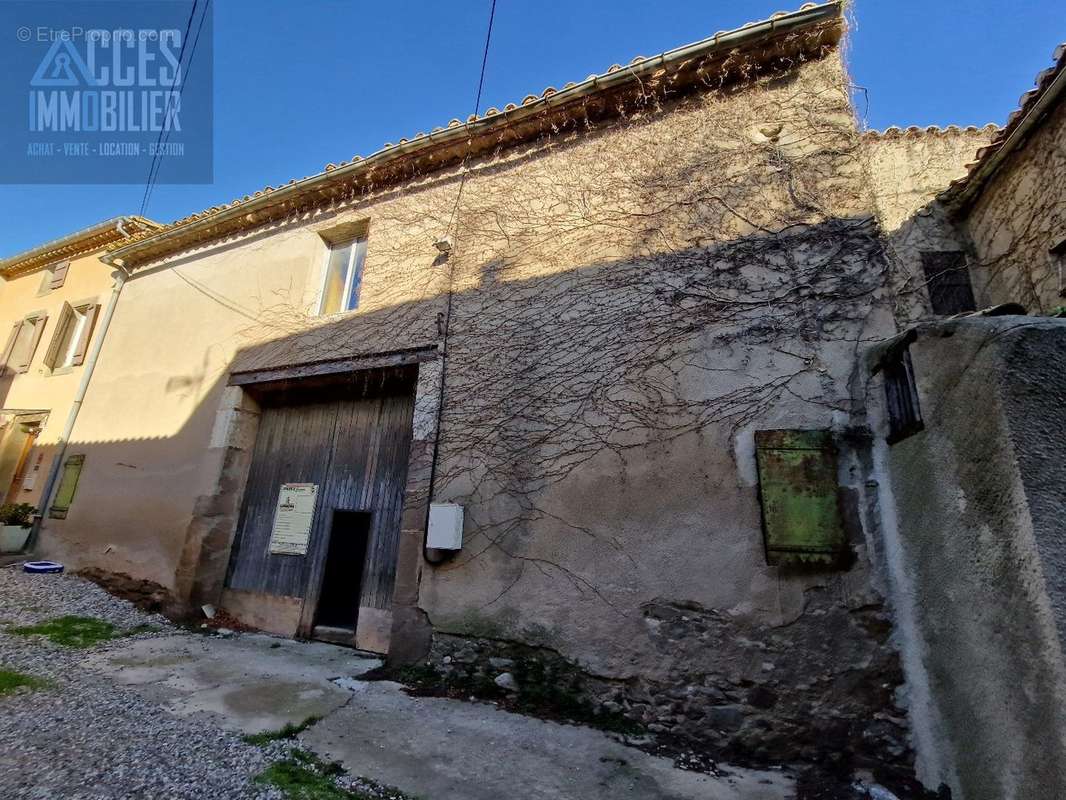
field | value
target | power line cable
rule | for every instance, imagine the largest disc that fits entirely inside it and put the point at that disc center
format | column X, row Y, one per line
column 164, row 133
column 178, row 74
column 477, row 107
column 153, row 180
column 446, row 323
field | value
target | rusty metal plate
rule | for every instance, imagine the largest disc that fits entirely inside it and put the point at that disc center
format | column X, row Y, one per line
column 798, row 490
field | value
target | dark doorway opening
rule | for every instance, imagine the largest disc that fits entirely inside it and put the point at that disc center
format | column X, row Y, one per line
column 338, row 601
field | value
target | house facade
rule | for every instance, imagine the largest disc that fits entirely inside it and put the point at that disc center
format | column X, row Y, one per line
column 1011, row 201
column 603, row 379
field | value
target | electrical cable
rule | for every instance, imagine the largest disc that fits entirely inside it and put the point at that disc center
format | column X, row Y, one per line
column 164, row 133
column 451, row 283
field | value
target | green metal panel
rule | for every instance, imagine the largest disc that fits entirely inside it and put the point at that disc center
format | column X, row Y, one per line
column 798, row 489
column 68, row 483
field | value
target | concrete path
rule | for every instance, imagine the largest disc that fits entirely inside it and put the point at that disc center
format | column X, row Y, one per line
column 436, row 748
column 250, row 682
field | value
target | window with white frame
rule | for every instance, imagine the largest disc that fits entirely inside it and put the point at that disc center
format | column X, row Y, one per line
column 344, row 277
column 71, row 338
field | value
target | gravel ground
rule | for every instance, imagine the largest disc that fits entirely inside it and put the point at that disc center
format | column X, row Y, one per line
column 87, row 738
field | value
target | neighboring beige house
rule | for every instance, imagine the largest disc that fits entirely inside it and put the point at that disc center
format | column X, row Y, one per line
column 588, row 380
column 51, row 301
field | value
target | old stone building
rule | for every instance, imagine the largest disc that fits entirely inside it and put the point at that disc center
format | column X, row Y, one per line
column 645, row 270
column 606, row 382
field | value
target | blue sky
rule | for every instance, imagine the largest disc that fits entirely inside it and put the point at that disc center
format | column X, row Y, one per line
column 300, row 84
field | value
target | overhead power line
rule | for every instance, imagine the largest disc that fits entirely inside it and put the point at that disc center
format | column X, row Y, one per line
column 477, row 105
column 185, row 66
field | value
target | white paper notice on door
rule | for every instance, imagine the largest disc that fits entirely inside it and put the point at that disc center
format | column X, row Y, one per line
column 292, row 520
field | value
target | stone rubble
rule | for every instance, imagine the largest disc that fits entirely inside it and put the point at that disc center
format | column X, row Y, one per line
column 773, row 695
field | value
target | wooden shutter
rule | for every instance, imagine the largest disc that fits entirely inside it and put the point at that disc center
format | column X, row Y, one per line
column 11, row 341
column 27, row 358
column 901, row 396
column 68, row 484
column 51, row 355
column 82, row 345
column 802, row 522
column 59, row 274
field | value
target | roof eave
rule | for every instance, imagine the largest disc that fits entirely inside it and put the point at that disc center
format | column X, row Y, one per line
column 68, row 246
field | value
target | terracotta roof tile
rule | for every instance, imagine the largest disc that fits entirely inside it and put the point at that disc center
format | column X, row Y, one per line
column 895, row 132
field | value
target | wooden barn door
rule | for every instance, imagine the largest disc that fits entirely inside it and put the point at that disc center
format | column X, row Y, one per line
column 351, row 442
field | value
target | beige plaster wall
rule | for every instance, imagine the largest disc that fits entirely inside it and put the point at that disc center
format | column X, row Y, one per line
column 907, row 170
column 88, row 280
column 147, row 421
column 1019, row 215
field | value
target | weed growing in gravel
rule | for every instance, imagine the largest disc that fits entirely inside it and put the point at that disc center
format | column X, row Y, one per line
column 72, row 631
column 288, row 731
column 11, row 680
column 304, row 776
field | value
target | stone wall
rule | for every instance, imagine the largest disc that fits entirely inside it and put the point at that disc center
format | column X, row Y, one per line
column 737, row 691
column 1018, row 217
column 908, row 169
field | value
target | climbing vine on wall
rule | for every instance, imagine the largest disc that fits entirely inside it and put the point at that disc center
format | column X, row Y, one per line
column 677, row 267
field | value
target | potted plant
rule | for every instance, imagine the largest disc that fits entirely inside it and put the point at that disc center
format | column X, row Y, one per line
column 15, row 522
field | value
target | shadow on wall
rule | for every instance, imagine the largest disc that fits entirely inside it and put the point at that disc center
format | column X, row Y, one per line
column 932, row 275
column 133, row 498
column 545, row 374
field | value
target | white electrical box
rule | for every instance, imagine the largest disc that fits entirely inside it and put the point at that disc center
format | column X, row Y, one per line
column 445, row 526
